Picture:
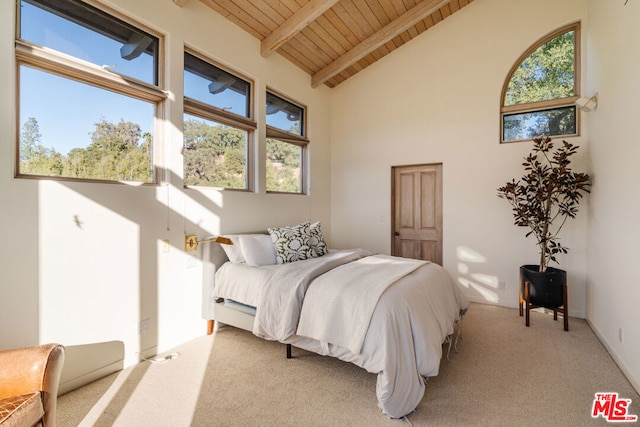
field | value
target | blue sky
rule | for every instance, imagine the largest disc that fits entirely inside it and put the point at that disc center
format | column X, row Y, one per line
column 67, row 111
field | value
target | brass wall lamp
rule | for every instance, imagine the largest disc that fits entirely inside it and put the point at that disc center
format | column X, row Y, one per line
column 191, row 242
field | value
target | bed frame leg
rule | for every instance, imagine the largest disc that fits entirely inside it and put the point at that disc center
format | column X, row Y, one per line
column 210, row 324
column 289, row 351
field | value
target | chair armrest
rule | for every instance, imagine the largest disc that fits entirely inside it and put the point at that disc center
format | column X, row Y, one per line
column 30, row 369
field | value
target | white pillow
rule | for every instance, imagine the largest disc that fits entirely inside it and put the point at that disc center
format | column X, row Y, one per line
column 234, row 253
column 257, row 249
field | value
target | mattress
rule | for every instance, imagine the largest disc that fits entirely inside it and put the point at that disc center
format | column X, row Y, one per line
column 235, row 305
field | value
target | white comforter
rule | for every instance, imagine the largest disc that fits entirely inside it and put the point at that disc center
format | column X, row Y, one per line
column 403, row 342
column 338, row 307
column 283, row 291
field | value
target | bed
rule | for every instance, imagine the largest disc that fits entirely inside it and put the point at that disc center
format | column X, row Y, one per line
column 388, row 315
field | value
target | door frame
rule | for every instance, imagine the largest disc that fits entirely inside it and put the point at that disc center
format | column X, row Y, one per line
column 393, row 203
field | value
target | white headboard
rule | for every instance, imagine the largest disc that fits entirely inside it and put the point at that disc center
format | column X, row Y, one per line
column 213, row 257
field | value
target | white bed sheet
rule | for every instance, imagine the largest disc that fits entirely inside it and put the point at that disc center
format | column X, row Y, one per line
column 240, row 282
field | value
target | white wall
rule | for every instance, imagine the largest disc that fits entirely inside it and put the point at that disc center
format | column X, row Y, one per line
column 435, row 100
column 612, row 291
column 81, row 263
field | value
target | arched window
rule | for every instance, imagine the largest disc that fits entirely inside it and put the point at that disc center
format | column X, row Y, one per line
column 540, row 90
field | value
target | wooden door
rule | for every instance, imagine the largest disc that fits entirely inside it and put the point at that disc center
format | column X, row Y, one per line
column 417, row 212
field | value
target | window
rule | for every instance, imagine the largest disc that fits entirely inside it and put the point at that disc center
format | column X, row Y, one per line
column 539, row 93
column 89, row 93
column 218, row 126
column 286, row 145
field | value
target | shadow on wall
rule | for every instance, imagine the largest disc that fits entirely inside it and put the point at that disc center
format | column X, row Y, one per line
column 88, row 362
column 478, row 286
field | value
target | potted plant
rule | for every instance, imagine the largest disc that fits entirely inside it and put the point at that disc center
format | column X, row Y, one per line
column 545, row 197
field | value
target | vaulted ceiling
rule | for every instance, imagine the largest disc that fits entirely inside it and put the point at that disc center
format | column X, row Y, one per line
column 333, row 39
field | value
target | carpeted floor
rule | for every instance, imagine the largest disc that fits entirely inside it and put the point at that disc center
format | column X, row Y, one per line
column 503, row 374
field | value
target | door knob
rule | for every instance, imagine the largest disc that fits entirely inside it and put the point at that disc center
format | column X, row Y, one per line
column 397, row 233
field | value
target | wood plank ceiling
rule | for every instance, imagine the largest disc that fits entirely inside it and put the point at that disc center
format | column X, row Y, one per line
column 333, row 40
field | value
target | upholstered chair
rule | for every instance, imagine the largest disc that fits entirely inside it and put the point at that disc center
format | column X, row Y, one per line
column 29, row 380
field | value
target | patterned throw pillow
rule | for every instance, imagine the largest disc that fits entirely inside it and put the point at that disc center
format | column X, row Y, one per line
column 291, row 242
column 316, row 241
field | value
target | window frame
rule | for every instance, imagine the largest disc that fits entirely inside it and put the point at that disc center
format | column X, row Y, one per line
column 532, row 107
column 56, row 63
column 302, row 141
column 210, row 112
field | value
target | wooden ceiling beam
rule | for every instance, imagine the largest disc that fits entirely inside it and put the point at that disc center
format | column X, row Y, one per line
column 386, row 33
column 292, row 26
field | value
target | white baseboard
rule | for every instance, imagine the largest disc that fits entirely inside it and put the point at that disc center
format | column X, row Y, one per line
column 86, row 363
column 635, row 383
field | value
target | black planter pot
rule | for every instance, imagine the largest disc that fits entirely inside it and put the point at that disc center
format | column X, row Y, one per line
column 545, row 289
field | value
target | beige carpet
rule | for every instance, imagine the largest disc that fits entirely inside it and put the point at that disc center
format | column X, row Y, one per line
column 504, row 374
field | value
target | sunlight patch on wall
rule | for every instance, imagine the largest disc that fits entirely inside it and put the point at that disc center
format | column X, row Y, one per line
column 463, row 268
column 469, row 255
column 199, row 211
column 485, row 293
column 484, row 285
column 486, row 280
